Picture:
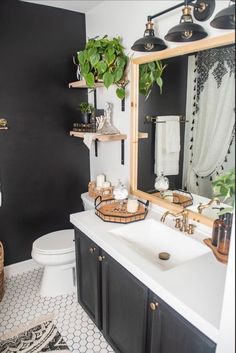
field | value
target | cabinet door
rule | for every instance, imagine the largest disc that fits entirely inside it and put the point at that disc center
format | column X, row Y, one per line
column 124, row 308
column 88, row 276
column 169, row 332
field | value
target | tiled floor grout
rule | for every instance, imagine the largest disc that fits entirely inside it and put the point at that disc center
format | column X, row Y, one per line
column 22, row 304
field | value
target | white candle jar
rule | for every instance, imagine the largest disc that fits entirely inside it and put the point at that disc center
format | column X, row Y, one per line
column 132, row 206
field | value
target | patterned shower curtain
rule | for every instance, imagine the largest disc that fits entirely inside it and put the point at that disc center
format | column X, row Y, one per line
column 211, row 112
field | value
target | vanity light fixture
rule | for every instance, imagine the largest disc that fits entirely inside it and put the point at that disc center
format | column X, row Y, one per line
column 187, row 30
column 149, row 42
column 225, row 19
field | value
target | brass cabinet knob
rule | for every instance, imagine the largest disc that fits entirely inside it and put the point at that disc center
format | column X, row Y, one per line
column 101, row 258
column 92, row 250
column 154, row 306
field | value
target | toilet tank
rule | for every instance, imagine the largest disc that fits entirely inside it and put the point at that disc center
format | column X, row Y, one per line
column 88, row 202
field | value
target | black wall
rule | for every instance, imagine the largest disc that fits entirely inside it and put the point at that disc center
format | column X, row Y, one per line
column 43, row 171
column 171, row 102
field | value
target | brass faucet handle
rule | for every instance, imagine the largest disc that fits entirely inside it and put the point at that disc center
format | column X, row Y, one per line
column 191, row 229
column 178, row 223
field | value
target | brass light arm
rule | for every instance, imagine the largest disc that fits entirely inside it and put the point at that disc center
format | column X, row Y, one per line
column 201, row 207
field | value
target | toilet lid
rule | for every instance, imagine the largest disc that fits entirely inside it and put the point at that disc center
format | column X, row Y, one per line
column 60, row 242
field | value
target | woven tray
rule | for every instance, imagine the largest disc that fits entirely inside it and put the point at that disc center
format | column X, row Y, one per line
column 1, row 271
column 109, row 211
column 105, row 193
column 180, row 197
column 219, row 256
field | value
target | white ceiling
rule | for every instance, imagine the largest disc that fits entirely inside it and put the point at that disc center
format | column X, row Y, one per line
column 73, row 5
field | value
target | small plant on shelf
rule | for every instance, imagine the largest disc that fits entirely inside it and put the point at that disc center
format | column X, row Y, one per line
column 86, row 110
column 149, row 75
column 104, row 59
column 85, row 107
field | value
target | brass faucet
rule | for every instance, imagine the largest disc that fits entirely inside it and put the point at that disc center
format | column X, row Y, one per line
column 182, row 225
column 201, row 207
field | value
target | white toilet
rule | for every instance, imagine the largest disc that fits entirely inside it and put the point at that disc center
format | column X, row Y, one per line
column 88, row 202
column 56, row 253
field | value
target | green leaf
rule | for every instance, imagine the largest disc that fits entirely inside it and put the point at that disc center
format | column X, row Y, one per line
column 94, row 59
column 110, row 59
column 152, row 66
column 159, row 81
column 111, row 51
column 108, row 79
column 89, row 78
column 120, row 92
column 118, row 74
column 120, row 62
column 86, row 68
column 101, row 67
column 81, row 57
column 92, row 52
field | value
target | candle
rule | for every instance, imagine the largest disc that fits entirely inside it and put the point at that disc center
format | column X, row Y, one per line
column 132, row 206
column 168, row 196
column 100, row 180
column 106, row 184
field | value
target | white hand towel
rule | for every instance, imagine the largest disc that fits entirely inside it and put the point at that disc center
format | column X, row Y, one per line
column 167, row 162
column 173, row 135
column 88, row 139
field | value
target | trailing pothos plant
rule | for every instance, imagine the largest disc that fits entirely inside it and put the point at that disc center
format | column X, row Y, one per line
column 104, row 59
column 150, row 74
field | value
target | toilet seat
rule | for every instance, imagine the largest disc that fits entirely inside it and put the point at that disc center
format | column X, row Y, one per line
column 55, row 243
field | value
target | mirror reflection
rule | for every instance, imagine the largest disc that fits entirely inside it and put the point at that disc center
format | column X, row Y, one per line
column 190, row 126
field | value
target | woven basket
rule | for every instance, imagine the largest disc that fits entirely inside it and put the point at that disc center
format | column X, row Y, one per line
column 1, row 271
column 105, row 193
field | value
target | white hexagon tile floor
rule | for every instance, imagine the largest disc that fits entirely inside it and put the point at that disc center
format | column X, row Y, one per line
column 22, row 304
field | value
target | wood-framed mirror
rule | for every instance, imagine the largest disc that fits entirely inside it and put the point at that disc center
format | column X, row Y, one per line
column 175, row 56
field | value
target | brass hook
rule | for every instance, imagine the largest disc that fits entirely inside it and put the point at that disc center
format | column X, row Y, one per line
column 3, row 124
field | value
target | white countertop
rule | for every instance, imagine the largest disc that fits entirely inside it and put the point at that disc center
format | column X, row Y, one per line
column 194, row 289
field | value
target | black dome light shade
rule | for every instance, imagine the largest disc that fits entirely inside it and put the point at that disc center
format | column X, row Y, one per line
column 149, row 43
column 225, row 19
column 186, row 31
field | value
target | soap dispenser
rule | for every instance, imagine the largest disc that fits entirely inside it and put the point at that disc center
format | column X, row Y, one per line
column 218, row 227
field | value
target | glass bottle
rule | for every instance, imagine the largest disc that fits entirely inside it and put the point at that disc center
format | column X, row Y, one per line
column 218, row 227
column 224, row 236
column 162, row 184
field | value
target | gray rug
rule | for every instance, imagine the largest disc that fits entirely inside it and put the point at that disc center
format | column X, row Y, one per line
column 40, row 337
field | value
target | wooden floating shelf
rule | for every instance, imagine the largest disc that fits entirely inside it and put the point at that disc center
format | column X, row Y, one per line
column 101, row 138
column 83, row 84
column 104, row 138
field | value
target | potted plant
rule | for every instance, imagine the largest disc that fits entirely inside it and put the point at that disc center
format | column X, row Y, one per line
column 104, row 59
column 150, row 74
column 224, row 188
column 86, row 111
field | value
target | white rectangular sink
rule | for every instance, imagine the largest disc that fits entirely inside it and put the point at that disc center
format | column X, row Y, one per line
column 149, row 238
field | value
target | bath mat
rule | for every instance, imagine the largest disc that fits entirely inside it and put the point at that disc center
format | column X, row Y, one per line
column 40, row 336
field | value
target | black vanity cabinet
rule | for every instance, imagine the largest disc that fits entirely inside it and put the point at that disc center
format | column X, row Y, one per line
column 88, row 276
column 124, row 300
column 169, row 332
column 130, row 316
